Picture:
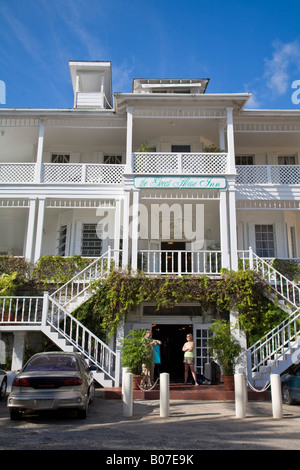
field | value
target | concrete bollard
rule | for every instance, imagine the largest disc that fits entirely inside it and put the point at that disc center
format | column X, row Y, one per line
column 124, row 371
column 128, row 395
column 164, row 395
column 240, row 396
column 276, row 396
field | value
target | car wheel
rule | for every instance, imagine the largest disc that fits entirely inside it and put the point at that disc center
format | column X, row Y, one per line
column 286, row 396
column 3, row 389
column 15, row 414
column 92, row 393
column 83, row 412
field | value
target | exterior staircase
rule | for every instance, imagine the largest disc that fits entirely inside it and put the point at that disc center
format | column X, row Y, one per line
column 53, row 315
column 280, row 348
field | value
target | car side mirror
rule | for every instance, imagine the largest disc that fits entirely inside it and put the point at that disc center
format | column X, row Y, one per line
column 93, row 368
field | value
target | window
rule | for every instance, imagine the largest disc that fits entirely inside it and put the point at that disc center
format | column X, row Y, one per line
column 91, row 244
column 62, row 240
column 181, row 148
column 265, row 241
column 202, row 354
column 244, row 160
column 287, row 160
column 113, row 159
column 60, row 158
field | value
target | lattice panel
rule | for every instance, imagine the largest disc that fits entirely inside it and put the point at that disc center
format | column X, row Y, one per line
column 252, row 174
column 203, row 163
column 62, row 173
column 17, row 172
column 181, row 163
column 285, row 174
column 155, row 163
column 107, row 174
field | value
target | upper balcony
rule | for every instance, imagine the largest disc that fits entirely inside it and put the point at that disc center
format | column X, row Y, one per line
column 147, row 164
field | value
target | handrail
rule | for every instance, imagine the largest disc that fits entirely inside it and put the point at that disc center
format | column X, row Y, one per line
column 275, row 344
column 83, row 339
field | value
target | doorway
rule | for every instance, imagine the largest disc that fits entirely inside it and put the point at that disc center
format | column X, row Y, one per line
column 170, row 260
column 173, row 338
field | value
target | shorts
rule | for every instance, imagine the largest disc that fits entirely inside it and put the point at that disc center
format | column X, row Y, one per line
column 188, row 360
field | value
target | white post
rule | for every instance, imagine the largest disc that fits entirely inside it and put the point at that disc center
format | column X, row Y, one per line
column 232, row 225
column 240, row 396
column 117, row 368
column 117, row 229
column 39, row 231
column 45, row 308
column 125, row 370
column 224, row 229
column 18, row 350
column 230, row 140
column 134, row 229
column 129, row 168
column 39, row 156
column 30, row 229
column 126, row 234
column 128, row 395
column 164, row 395
column 276, row 396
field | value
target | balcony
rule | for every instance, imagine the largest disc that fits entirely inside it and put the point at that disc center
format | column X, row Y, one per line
column 268, row 174
column 61, row 173
column 181, row 163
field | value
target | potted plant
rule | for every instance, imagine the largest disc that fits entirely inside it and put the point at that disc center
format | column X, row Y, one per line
column 134, row 353
column 225, row 349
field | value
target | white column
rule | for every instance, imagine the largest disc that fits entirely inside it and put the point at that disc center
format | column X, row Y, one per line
column 39, row 230
column 39, row 155
column 224, row 230
column 232, row 226
column 222, row 136
column 30, row 229
column 230, row 140
column 126, row 202
column 129, row 168
column 134, row 229
column 117, row 229
column 18, row 350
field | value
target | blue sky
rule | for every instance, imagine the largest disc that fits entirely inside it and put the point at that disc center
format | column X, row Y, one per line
column 240, row 45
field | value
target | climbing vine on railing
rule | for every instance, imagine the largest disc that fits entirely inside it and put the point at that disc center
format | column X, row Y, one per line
column 123, row 292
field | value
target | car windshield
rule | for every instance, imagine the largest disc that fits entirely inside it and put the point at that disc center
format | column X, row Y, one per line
column 51, row 362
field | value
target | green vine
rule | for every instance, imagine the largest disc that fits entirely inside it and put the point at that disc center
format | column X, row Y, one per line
column 123, row 292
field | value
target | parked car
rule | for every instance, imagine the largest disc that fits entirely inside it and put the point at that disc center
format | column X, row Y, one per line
column 3, row 383
column 290, row 385
column 52, row 380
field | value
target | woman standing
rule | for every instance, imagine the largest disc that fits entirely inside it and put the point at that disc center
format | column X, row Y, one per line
column 189, row 358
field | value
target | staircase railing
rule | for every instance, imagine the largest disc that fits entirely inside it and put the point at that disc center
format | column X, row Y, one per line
column 77, row 335
column 274, row 345
column 80, row 283
column 279, row 341
column 287, row 289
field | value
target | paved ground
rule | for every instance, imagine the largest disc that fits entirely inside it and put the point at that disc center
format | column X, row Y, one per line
column 191, row 426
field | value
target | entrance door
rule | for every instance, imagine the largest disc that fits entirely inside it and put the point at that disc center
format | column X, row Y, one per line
column 173, row 338
column 170, row 259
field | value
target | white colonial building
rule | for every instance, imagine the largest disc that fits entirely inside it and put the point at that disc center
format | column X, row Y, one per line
column 170, row 178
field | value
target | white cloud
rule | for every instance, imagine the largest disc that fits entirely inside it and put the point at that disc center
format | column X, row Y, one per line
column 278, row 69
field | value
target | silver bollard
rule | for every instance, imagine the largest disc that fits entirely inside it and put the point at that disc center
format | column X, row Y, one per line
column 240, row 396
column 128, row 395
column 164, row 379
column 276, row 396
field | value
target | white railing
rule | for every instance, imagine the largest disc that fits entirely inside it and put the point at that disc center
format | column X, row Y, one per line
column 21, row 310
column 181, row 163
column 268, row 174
column 178, row 262
column 274, row 345
column 72, row 173
column 80, row 283
column 76, row 334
